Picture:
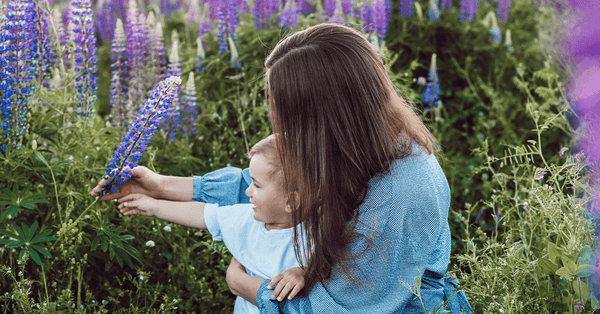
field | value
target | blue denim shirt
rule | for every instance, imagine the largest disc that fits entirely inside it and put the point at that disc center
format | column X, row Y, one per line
column 408, row 209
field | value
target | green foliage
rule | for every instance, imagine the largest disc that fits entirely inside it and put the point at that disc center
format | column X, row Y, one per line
column 503, row 119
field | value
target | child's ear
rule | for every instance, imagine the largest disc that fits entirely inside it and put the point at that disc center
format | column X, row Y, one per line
column 295, row 198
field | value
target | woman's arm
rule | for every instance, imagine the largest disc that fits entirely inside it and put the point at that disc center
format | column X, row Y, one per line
column 240, row 283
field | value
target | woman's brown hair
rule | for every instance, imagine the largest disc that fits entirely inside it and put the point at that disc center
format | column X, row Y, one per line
column 343, row 124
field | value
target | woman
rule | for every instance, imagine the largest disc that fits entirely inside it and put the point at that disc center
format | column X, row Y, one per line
column 372, row 199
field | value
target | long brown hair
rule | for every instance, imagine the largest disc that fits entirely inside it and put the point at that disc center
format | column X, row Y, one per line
column 343, row 124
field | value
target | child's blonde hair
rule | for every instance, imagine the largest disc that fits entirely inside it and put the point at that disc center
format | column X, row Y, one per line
column 267, row 147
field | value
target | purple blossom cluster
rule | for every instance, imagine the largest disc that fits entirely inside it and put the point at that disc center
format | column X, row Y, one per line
column 43, row 52
column 118, row 84
column 434, row 12
column 204, row 21
column 369, row 17
column 17, row 35
column 406, row 8
column 468, row 9
column 502, row 12
column 227, row 21
column 288, row 18
column 140, row 132
column 263, row 9
column 105, row 20
column 188, row 108
column 138, row 43
column 446, row 4
column 337, row 16
column 305, row 7
column 381, row 18
column 432, row 91
column 85, row 55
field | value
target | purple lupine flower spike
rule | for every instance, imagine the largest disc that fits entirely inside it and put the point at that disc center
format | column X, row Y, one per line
column 165, row 7
column 369, row 17
column 118, row 88
column 432, row 91
column 205, row 22
column 17, row 36
column 140, row 132
column 434, row 12
column 406, row 8
column 263, row 9
column 85, row 56
column 288, row 17
column 188, row 108
column 337, row 17
column 105, row 20
column 381, row 20
column 496, row 35
column 502, row 13
column 228, row 21
column 43, row 53
column 200, row 55
column 468, row 9
column 305, row 7
column 137, row 51
column 446, row 4
column 160, row 53
column 329, row 7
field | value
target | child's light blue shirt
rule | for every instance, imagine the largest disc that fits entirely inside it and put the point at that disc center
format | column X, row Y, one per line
column 264, row 253
column 408, row 209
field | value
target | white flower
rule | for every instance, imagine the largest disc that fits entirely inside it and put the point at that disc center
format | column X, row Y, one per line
column 167, row 228
column 150, row 243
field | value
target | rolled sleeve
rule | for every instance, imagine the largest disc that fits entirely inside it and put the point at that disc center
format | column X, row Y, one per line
column 266, row 305
column 226, row 186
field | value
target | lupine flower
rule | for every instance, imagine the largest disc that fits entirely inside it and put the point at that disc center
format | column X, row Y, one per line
column 406, row 8
column 496, row 35
column 541, row 175
column 337, row 16
column 502, row 13
column 288, row 18
column 446, row 4
column 200, row 55
column 263, row 9
column 234, row 54
column 137, row 51
column 43, row 52
column 369, row 17
column 118, row 86
column 205, row 22
column 305, row 7
column 508, row 42
column 188, row 108
column 17, row 37
column 468, row 9
column 85, row 56
column 525, row 204
column 478, row 216
column 105, row 20
column 381, row 18
column 167, row 228
column 329, row 7
column 434, row 12
column 171, row 121
column 140, row 132
column 166, row 7
column 228, row 21
column 422, row 81
column 432, row 91
column 497, row 219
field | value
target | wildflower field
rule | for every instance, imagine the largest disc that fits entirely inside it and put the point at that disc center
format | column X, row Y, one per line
column 88, row 87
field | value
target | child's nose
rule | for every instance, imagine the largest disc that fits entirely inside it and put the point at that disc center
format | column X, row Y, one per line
column 248, row 191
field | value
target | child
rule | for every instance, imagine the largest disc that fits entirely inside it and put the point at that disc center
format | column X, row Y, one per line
column 263, row 245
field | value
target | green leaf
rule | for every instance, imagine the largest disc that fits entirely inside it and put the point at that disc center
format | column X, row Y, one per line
column 564, row 272
column 40, row 157
column 9, row 234
column 584, row 293
column 547, row 266
column 27, row 205
column 41, row 250
column 35, row 256
column 554, row 252
column 584, row 271
column 586, row 256
column 595, row 303
column 66, row 161
column 569, row 264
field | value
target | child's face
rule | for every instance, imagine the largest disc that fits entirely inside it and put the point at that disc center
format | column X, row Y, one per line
column 266, row 194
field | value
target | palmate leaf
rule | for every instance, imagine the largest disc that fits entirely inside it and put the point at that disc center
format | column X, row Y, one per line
column 24, row 237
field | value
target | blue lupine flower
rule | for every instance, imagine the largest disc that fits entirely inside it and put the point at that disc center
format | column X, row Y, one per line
column 478, row 216
column 263, row 9
column 228, row 21
column 85, row 56
column 205, row 22
column 406, row 8
column 497, row 223
column 446, row 4
column 188, row 108
column 502, row 12
column 200, row 55
column 166, row 7
column 434, row 12
column 432, row 91
column 140, row 132
column 337, row 16
column 17, row 35
column 105, row 20
column 43, row 52
column 305, row 7
column 288, row 18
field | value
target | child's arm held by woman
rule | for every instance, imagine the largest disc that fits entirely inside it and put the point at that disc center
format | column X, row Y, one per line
column 187, row 214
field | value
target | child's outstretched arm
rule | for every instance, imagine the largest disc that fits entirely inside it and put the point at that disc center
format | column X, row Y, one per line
column 188, row 214
column 290, row 281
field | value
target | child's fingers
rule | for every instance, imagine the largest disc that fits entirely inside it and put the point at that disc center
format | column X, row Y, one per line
column 294, row 292
column 273, row 281
column 286, row 289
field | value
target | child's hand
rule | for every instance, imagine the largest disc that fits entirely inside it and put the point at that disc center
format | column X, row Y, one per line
column 137, row 204
column 290, row 280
